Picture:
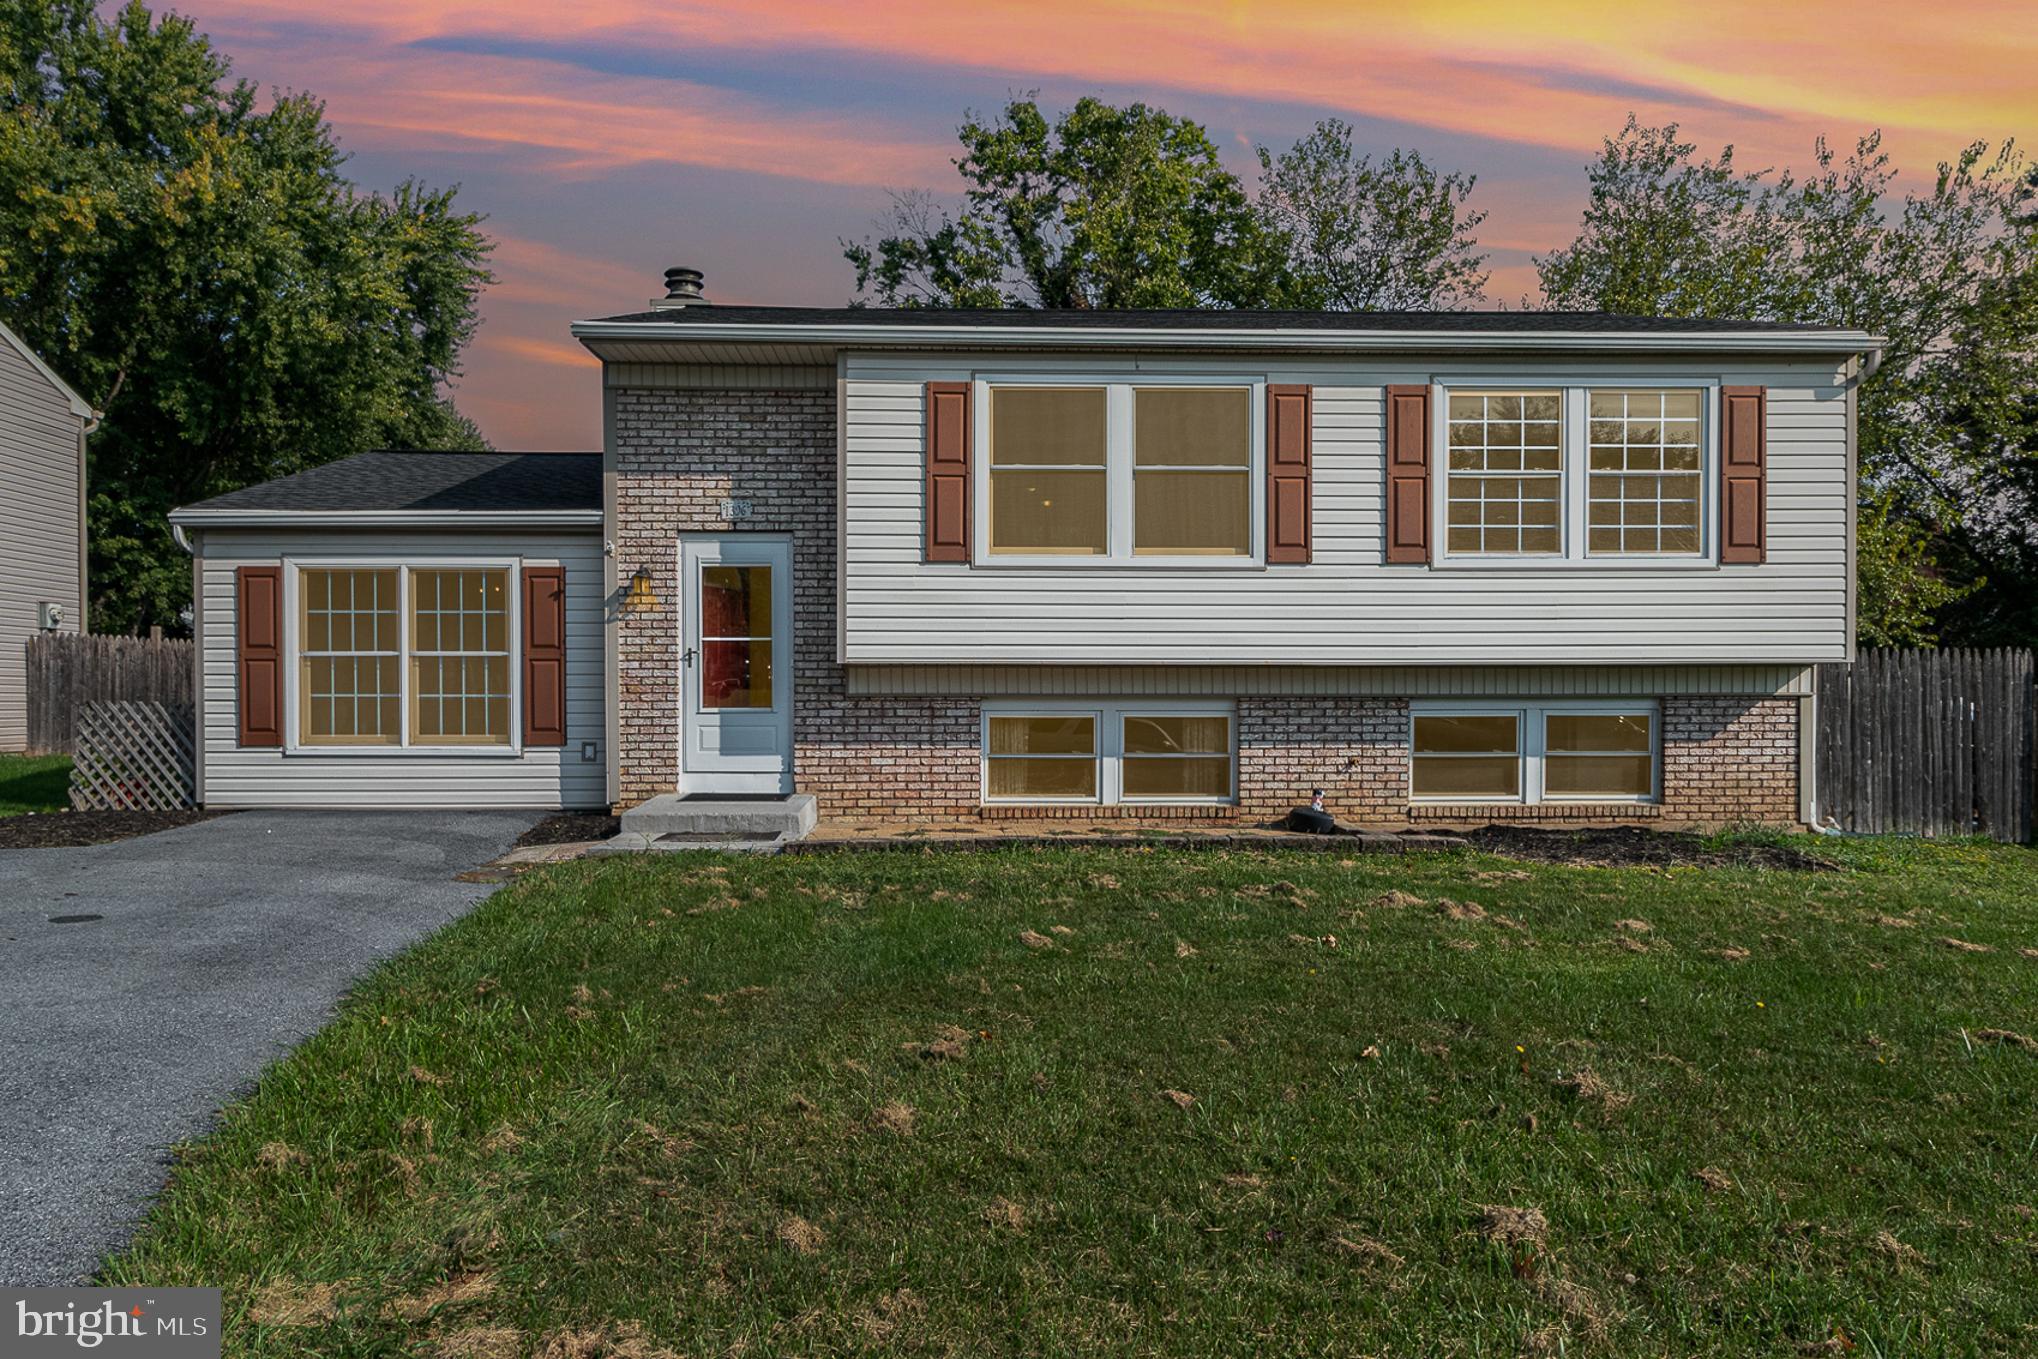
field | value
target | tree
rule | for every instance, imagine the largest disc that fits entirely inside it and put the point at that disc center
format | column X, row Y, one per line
column 1949, row 426
column 200, row 270
column 1107, row 207
column 1356, row 236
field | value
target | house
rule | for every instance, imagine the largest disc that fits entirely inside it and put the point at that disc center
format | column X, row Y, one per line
column 43, row 424
column 969, row 564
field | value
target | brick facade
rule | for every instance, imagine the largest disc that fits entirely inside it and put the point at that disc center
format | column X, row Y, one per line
column 680, row 453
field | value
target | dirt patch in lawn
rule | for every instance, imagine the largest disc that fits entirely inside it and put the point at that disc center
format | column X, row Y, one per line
column 67, row 830
column 1627, row 846
column 570, row 828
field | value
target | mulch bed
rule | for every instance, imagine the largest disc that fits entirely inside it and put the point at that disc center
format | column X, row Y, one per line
column 570, row 828
column 1632, row 846
column 67, row 830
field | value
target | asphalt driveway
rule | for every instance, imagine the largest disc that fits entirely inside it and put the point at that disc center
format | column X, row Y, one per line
column 206, row 952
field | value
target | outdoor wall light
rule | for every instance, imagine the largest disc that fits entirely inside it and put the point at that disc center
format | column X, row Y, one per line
column 641, row 595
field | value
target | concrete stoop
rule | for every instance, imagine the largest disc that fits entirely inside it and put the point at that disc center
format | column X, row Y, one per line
column 672, row 821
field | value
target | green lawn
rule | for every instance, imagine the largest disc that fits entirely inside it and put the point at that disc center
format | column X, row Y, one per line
column 1138, row 1102
column 34, row 783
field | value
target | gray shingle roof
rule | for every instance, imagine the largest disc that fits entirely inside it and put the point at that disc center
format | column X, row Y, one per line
column 1498, row 322
column 497, row 482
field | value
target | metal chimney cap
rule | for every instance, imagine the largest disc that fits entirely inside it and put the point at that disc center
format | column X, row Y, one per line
column 682, row 288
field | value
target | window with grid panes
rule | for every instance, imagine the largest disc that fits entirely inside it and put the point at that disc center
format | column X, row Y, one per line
column 1505, row 473
column 460, row 657
column 1643, row 471
column 349, row 658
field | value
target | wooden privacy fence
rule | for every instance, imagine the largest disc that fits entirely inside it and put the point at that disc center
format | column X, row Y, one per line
column 134, row 757
column 67, row 672
column 1931, row 742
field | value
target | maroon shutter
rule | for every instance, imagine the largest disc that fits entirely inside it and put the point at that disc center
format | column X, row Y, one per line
column 544, row 656
column 1744, row 461
column 1408, row 438
column 258, row 658
column 1288, row 426
column 948, row 497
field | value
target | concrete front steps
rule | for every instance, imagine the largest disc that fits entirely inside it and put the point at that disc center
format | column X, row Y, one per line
column 674, row 821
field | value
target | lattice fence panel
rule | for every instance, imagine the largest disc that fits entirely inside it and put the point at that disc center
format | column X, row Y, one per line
column 134, row 757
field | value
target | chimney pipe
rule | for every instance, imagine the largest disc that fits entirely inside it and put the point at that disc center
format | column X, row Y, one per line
column 682, row 289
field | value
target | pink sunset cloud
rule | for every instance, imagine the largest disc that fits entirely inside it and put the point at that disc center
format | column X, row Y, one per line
column 606, row 140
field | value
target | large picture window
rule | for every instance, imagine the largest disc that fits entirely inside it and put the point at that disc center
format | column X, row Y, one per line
column 1148, row 471
column 405, row 656
column 1551, row 751
column 1575, row 473
column 1109, row 753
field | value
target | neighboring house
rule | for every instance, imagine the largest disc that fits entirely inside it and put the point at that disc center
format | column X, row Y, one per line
column 932, row 564
column 43, row 424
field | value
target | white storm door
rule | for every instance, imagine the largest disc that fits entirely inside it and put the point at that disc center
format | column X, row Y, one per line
column 735, row 664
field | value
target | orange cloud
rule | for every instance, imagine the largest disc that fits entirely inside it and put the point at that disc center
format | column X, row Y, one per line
column 1557, row 74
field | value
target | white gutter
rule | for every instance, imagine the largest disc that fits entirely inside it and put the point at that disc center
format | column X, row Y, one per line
column 1835, row 341
column 197, row 518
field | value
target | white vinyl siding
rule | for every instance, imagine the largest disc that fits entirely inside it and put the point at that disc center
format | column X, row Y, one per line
column 1347, row 608
column 39, row 508
column 487, row 776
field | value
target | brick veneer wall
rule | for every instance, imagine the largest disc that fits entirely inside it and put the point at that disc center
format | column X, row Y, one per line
column 1355, row 749
column 680, row 453
column 1730, row 761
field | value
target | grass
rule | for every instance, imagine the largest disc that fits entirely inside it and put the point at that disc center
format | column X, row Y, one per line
column 34, row 783
column 920, row 1104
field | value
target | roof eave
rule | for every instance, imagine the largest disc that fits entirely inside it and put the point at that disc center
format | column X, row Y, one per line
column 80, row 407
column 950, row 336
column 198, row 517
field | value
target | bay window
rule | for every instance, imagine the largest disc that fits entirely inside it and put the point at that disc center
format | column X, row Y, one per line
column 1151, row 470
column 403, row 656
column 1165, row 751
column 1546, row 751
column 1575, row 473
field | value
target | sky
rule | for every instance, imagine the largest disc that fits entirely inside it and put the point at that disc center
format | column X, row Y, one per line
column 605, row 140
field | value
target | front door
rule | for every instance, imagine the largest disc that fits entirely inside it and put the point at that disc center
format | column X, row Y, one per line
column 736, row 672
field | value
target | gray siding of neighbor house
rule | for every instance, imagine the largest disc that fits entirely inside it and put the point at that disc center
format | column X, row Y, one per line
column 41, row 500
column 539, row 777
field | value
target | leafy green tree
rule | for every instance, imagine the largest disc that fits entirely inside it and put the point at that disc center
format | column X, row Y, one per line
column 1360, row 236
column 1105, row 207
column 1949, row 426
column 201, row 271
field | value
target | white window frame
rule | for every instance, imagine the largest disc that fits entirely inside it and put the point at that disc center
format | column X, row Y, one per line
column 1529, row 714
column 293, row 575
column 1110, row 717
column 1573, row 486
column 1118, row 453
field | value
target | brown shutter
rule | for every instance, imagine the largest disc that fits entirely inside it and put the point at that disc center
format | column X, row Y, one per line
column 1289, row 418
column 948, row 460
column 1408, row 439
column 544, row 656
column 1744, row 462
column 258, row 659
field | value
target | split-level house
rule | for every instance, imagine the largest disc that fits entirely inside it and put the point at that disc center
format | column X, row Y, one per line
column 43, row 424
column 1443, row 567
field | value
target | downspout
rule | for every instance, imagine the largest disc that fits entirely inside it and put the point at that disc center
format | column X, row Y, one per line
column 85, row 431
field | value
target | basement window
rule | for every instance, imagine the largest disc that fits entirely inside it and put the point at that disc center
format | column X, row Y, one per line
column 1546, row 751
column 1181, row 752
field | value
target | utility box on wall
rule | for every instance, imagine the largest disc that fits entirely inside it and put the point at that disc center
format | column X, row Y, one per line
column 49, row 615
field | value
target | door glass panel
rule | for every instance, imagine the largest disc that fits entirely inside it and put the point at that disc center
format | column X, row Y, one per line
column 736, row 673
column 736, row 642
column 735, row 602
